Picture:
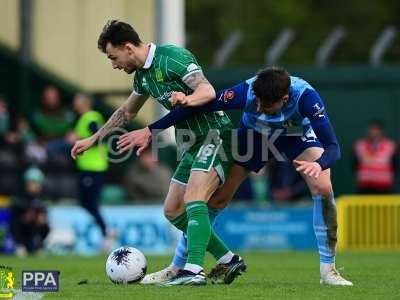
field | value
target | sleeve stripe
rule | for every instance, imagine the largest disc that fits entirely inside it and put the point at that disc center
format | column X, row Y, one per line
column 136, row 93
column 191, row 72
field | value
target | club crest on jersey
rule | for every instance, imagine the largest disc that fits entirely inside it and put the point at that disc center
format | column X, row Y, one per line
column 159, row 76
column 228, row 95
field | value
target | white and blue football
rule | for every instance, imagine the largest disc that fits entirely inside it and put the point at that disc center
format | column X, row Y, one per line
column 126, row 265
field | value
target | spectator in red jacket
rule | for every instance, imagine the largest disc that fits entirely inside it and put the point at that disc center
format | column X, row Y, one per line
column 375, row 158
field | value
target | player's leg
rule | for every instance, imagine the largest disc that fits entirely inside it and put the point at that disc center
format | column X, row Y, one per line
column 218, row 201
column 173, row 208
column 207, row 172
column 324, row 219
column 222, row 196
column 228, row 268
column 200, row 187
column 174, row 211
column 180, row 255
column 195, row 222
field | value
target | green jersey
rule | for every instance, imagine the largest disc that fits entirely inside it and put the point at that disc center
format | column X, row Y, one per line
column 164, row 72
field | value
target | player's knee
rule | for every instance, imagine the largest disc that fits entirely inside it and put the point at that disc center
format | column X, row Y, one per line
column 172, row 212
column 322, row 189
column 196, row 193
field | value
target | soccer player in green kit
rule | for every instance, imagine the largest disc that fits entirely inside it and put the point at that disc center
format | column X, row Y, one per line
column 160, row 72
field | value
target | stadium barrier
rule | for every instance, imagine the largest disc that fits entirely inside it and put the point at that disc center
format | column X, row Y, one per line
column 145, row 227
column 369, row 222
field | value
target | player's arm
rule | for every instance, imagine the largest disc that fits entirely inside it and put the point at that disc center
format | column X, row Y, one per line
column 228, row 99
column 233, row 98
column 122, row 115
column 203, row 91
column 312, row 107
column 118, row 119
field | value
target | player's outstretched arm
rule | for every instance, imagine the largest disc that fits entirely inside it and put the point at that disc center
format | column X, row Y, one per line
column 118, row 119
column 232, row 98
column 228, row 99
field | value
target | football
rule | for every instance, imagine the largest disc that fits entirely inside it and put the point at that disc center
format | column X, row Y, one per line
column 126, row 265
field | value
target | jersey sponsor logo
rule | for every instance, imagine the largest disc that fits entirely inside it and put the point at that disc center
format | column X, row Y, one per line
column 159, row 76
column 164, row 98
column 320, row 111
column 192, row 67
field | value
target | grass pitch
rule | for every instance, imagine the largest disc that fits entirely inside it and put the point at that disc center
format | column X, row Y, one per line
column 288, row 275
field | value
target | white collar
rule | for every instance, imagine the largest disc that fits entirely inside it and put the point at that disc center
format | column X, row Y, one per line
column 150, row 56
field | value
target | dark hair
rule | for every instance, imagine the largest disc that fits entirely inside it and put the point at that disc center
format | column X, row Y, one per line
column 271, row 84
column 117, row 33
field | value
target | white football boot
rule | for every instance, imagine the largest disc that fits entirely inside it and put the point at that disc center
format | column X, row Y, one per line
column 160, row 276
column 331, row 276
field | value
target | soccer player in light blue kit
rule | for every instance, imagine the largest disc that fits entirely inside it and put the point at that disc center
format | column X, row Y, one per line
column 287, row 115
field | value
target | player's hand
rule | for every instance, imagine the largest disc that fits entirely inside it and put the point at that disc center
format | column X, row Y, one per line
column 81, row 146
column 178, row 98
column 308, row 168
column 137, row 138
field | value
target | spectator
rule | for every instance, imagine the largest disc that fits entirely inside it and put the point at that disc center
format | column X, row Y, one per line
column 52, row 120
column 147, row 179
column 14, row 134
column 375, row 160
column 51, row 123
column 92, row 164
column 29, row 222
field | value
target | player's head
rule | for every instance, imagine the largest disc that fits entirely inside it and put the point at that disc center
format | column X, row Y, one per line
column 271, row 89
column 121, row 43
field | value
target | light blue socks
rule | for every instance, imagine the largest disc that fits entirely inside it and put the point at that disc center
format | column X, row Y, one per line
column 325, row 227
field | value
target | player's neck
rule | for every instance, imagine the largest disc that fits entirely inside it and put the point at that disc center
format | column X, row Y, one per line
column 144, row 50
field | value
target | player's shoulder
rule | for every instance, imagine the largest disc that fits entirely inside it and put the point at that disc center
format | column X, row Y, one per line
column 173, row 51
column 296, row 81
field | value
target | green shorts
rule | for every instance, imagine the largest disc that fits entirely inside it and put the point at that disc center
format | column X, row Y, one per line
column 206, row 154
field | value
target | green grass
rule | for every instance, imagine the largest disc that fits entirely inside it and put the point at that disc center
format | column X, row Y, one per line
column 288, row 275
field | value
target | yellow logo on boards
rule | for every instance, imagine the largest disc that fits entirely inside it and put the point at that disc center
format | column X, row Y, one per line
column 6, row 282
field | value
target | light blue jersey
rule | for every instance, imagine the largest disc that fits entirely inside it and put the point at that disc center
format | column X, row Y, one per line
column 288, row 121
column 302, row 120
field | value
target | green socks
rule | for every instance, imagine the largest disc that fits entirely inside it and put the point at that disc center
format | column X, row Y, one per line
column 200, row 235
column 198, row 232
column 180, row 222
column 216, row 246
